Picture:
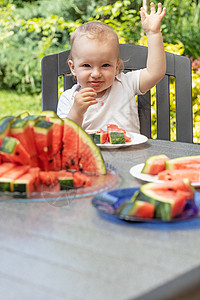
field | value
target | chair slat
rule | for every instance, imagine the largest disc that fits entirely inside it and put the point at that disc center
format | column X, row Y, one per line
column 163, row 109
column 183, row 84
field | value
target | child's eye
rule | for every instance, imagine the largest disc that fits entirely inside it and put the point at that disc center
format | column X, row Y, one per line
column 106, row 65
column 86, row 65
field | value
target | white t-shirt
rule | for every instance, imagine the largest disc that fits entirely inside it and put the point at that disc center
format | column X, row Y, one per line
column 117, row 106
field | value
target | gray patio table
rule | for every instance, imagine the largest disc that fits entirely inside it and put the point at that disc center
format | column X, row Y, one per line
column 70, row 251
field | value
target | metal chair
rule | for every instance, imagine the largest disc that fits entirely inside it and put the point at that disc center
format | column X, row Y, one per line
column 135, row 56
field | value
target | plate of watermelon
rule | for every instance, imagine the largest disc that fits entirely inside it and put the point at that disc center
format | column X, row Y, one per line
column 115, row 137
column 152, row 202
column 161, row 168
column 46, row 158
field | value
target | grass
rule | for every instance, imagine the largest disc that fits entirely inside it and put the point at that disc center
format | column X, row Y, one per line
column 12, row 103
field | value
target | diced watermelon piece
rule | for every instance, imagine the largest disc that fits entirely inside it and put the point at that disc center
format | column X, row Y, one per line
column 65, row 179
column 81, row 180
column 116, row 137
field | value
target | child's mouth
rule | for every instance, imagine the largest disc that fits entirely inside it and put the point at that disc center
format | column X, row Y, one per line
column 95, row 83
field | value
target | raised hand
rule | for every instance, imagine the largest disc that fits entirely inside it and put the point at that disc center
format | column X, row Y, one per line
column 151, row 22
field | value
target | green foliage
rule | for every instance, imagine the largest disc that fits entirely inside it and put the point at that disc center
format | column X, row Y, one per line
column 12, row 103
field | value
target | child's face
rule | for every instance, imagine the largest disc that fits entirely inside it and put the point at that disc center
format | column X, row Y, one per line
column 95, row 63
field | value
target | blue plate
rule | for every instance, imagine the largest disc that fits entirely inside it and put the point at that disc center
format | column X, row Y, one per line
column 108, row 202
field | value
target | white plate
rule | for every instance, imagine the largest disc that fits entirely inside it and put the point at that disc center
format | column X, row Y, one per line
column 136, row 139
column 136, row 171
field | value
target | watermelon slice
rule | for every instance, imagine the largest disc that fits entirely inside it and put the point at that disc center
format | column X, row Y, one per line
column 155, row 164
column 25, row 185
column 57, row 135
column 7, row 179
column 181, row 162
column 21, row 130
column 79, row 151
column 43, row 131
column 169, row 198
column 13, row 150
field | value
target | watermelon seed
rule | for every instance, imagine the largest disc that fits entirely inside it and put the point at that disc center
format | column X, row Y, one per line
column 16, row 153
column 72, row 162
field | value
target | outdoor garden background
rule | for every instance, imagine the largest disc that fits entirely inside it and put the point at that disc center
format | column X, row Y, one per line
column 31, row 29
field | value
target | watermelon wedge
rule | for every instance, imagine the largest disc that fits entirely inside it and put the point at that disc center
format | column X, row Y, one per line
column 13, row 151
column 79, row 151
column 57, row 135
column 181, row 162
column 155, row 164
column 43, row 131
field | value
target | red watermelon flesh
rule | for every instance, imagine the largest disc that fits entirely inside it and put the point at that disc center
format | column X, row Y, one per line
column 13, row 150
column 104, row 135
column 192, row 174
column 70, row 148
column 181, row 186
column 5, row 167
column 43, row 131
column 57, row 136
column 81, row 180
column 15, row 172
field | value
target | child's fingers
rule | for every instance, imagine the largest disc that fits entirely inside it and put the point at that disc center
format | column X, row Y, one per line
column 153, row 9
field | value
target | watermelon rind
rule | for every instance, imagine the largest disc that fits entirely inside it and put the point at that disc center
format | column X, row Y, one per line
column 171, row 163
column 150, row 161
column 5, row 185
column 116, row 137
column 43, row 126
column 8, row 145
column 48, row 113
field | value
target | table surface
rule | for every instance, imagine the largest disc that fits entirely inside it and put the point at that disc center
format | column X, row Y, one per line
column 70, row 251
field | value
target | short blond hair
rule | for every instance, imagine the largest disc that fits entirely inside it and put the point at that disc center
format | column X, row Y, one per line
column 96, row 30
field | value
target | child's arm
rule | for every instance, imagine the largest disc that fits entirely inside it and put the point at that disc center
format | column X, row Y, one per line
column 83, row 99
column 156, row 60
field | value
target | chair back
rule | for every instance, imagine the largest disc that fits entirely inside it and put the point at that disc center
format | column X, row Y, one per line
column 135, row 57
